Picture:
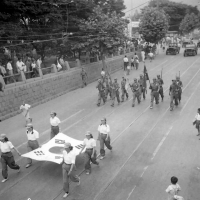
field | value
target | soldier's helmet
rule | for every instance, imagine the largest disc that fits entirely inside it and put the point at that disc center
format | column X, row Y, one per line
column 135, row 79
column 141, row 75
column 99, row 80
column 158, row 76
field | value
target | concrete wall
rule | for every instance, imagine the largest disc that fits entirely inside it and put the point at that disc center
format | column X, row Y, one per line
column 40, row 90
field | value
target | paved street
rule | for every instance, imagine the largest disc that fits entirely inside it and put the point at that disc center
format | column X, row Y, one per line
column 149, row 145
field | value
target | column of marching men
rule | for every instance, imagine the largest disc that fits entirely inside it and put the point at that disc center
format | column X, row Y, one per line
column 109, row 88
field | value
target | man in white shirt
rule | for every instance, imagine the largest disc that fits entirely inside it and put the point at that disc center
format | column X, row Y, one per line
column 151, row 55
column 32, row 143
column 90, row 152
column 54, row 121
column 10, row 71
column 25, row 112
column 125, row 62
column 20, row 65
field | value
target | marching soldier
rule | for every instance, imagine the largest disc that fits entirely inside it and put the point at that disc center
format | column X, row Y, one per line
column 135, row 87
column 101, row 95
column 123, row 88
column 83, row 76
column 160, row 82
column 108, row 88
column 180, row 85
column 173, row 92
column 115, row 92
column 142, row 84
column 154, row 87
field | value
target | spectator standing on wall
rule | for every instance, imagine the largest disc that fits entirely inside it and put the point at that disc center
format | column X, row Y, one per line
column 62, row 62
column 28, row 67
column 2, row 83
column 38, row 63
column 3, row 72
column 25, row 112
column 10, row 71
column 20, row 65
column 35, row 72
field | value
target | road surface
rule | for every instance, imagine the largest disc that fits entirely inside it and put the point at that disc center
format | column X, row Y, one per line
column 149, row 145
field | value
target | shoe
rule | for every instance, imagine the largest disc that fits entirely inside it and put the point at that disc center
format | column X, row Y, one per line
column 133, row 105
column 102, row 157
column 28, row 165
column 98, row 104
column 112, row 105
column 79, row 182
column 65, row 195
column 171, row 109
column 87, row 173
column 4, row 180
column 151, row 107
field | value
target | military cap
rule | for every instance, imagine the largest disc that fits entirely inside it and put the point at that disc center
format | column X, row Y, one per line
column 135, row 79
column 158, row 75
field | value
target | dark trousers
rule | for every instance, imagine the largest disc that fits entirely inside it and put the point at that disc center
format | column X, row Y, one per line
column 101, row 95
column 105, row 142
column 54, row 131
column 89, row 158
column 115, row 94
column 66, row 177
column 125, row 66
column 7, row 159
column 124, row 92
column 161, row 92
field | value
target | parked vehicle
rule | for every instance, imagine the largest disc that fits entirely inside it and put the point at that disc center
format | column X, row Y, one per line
column 190, row 50
column 172, row 50
column 175, row 45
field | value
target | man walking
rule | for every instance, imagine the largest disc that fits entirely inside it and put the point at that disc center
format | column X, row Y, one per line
column 101, row 94
column 142, row 84
column 173, row 93
column 123, row 88
column 125, row 62
column 180, row 85
column 135, row 87
column 160, row 82
column 84, row 77
column 154, row 87
column 115, row 92
column 108, row 88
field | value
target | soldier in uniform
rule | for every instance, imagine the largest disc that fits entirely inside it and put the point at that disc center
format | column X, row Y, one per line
column 83, row 76
column 154, row 87
column 123, row 88
column 173, row 92
column 108, row 91
column 115, row 92
column 142, row 84
column 160, row 82
column 135, row 87
column 101, row 95
column 180, row 85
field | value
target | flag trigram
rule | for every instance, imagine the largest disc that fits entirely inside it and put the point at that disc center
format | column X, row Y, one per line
column 80, row 146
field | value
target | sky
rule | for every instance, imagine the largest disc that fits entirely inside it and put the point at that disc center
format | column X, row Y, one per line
column 134, row 3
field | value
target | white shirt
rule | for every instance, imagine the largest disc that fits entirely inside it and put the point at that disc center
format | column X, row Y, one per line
column 125, row 59
column 9, row 66
column 135, row 56
column 197, row 117
column 33, row 65
column 69, row 158
column 151, row 54
column 20, row 66
column 6, row 146
column 103, row 73
column 54, row 121
column 172, row 190
column 39, row 62
column 89, row 144
column 142, row 53
column 104, row 128
column 25, row 109
column 33, row 135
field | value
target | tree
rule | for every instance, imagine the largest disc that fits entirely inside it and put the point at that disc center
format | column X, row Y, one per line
column 103, row 32
column 176, row 11
column 154, row 24
column 189, row 23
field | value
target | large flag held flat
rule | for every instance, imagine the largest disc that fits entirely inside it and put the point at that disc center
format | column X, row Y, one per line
column 51, row 151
